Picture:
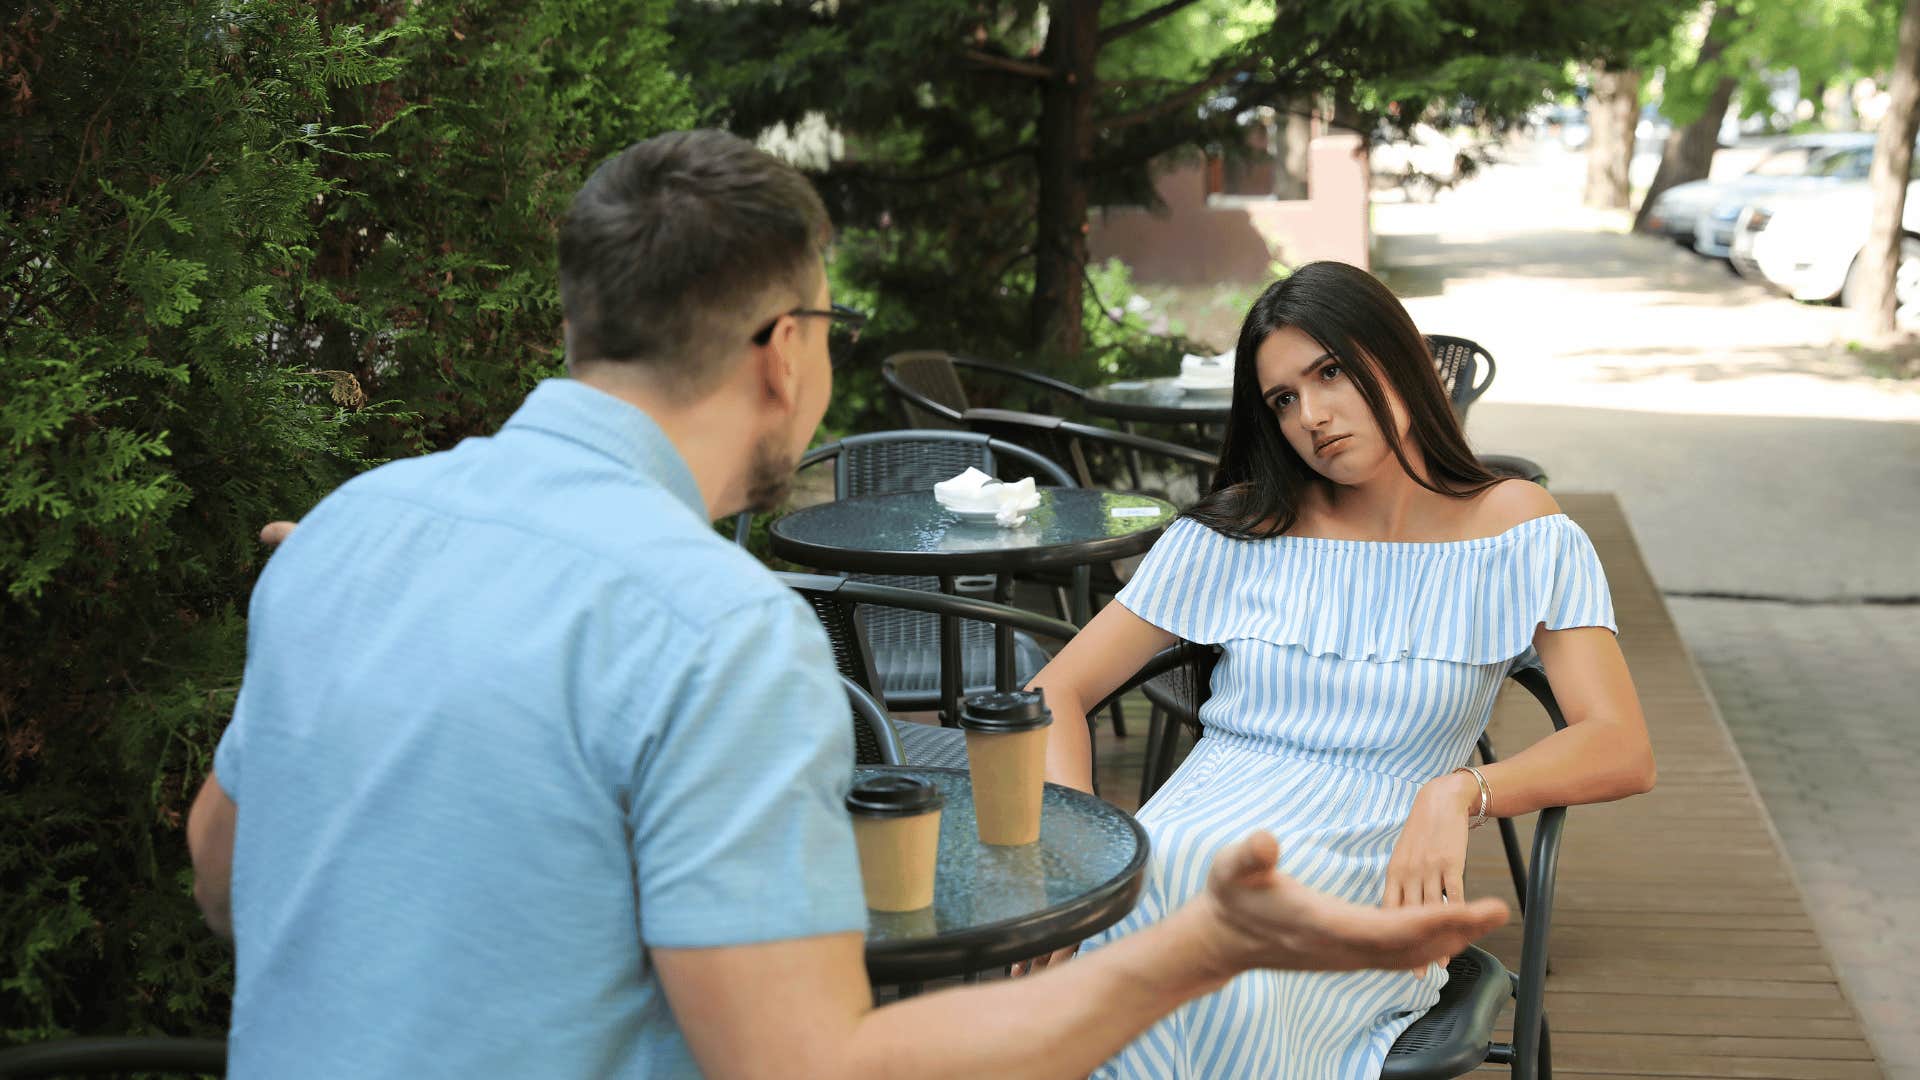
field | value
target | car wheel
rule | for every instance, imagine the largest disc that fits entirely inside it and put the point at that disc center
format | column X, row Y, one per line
column 1906, row 278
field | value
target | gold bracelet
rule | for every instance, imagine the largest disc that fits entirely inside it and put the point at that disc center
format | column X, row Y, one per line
column 1486, row 797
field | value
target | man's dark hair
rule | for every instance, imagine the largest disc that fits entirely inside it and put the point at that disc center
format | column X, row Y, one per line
column 671, row 246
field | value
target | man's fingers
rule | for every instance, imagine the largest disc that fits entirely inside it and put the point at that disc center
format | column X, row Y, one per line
column 276, row 531
column 1248, row 859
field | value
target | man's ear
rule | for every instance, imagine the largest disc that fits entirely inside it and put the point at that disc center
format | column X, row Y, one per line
column 777, row 365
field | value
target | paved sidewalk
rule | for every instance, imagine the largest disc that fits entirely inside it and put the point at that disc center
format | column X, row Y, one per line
column 1754, row 456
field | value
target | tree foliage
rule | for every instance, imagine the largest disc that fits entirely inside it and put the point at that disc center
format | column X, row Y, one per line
column 247, row 247
column 985, row 130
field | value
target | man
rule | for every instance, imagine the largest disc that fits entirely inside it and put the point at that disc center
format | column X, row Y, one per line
column 541, row 777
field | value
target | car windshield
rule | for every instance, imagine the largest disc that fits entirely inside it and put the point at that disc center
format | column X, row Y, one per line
column 1787, row 161
column 1848, row 164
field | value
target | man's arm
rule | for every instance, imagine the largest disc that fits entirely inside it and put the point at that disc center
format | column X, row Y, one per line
column 802, row 1008
column 210, row 839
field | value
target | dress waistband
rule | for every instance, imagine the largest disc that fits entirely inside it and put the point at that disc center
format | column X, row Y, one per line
column 1333, row 759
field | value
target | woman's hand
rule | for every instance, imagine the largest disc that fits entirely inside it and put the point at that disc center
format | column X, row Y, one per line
column 1430, row 859
column 1028, row 967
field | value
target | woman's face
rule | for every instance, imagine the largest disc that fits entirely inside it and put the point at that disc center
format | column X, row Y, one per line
column 1320, row 410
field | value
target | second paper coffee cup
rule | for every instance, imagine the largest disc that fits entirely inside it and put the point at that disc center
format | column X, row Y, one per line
column 896, row 825
column 1007, row 758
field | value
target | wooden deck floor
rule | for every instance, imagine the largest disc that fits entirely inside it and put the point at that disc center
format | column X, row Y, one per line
column 1681, row 944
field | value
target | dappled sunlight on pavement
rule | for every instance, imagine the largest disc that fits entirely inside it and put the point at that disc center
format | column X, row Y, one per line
column 1576, row 311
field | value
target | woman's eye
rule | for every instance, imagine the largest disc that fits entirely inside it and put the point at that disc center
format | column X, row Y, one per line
column 1329, row 371
column 1282, row 400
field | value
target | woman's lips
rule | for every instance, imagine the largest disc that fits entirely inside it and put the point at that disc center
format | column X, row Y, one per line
column 1323, row 447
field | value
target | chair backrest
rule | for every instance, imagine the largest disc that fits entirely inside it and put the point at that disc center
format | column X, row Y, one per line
column 1460, row 362
column 926, row 388
column 1099, row 457
column 886, row 462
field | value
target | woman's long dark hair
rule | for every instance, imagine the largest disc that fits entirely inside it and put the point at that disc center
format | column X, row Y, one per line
column 1258, row 488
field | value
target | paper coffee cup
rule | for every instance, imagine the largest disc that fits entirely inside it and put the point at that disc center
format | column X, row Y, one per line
column 1007, row 759
column 896, row 825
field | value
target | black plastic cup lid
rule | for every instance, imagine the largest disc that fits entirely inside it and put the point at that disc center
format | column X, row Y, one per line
column 894, row 796
column 1005, row 711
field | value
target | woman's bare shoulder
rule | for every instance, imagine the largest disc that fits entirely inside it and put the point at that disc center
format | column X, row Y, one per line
column 1509, row 503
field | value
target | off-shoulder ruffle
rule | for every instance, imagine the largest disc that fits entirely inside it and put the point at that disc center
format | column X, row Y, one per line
column 1469, row 601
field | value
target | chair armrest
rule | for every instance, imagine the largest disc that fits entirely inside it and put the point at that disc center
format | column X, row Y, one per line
column 1002, row 423
column 1048, row 382
column 1163, row 661
column 1529, row 998
column 965, row 607
column 1131, row 441
column 65, row 1057
column 874, row 715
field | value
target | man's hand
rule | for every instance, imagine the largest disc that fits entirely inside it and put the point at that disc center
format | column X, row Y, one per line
column 1264, row 919
column 276, row 531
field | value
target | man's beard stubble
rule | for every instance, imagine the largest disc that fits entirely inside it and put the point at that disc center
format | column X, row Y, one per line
column 770, row 475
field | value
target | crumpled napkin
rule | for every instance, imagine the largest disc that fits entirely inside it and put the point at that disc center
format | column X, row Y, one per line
column 1207, row 372
column 975, row 492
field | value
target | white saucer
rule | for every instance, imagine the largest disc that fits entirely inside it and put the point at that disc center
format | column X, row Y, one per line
column 972, row 515
column 1205, row 389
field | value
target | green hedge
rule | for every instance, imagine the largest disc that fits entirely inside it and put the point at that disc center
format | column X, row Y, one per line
column 247, row 248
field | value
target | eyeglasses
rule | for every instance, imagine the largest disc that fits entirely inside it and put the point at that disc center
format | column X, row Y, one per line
column 847, row 324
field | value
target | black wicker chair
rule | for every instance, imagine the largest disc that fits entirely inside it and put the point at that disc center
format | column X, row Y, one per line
column 1093, row 453
column 93, row 1056
column 1460, row 361
column 1456, row 1036
column 905, row 644
column 848, row 607
column 927, row 389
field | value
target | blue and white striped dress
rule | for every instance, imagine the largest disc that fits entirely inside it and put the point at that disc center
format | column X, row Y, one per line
column 1353, row 672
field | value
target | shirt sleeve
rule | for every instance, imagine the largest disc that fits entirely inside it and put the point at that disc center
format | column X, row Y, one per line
column 1578, row 594
column 739, row 828
column 1181, row 584
column 1574, row 589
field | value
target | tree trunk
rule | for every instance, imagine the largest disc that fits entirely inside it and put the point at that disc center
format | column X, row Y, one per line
column 1689, row 151
column 1292, row 134
column 1892, row 162
column 1612, row 110
column 1066, row 145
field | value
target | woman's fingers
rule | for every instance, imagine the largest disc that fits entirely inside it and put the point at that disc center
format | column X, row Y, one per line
column 1456, row 886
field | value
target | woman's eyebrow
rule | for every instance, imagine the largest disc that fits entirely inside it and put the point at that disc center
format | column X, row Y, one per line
column 1318, row 363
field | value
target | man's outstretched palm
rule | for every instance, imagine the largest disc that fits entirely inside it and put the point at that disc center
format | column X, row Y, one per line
column 1268, row 920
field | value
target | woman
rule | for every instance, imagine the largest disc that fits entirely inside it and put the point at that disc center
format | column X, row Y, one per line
column 1371, row 586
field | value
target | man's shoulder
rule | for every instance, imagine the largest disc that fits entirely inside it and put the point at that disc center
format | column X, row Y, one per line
column 622, row 533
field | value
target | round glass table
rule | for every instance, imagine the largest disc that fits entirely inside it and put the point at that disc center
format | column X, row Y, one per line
column 995, row 905
column 911, row 533
column 1159, row 401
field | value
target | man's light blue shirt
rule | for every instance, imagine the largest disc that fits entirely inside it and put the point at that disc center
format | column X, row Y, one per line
column 513, row 714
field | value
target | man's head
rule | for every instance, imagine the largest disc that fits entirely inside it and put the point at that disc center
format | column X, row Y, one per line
column 675, row 256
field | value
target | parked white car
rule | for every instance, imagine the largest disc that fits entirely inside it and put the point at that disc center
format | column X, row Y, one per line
column 1808, row 243
column 1677, row 210
column 1827, row 166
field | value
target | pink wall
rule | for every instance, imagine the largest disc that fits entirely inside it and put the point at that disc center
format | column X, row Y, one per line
column 1201, row 239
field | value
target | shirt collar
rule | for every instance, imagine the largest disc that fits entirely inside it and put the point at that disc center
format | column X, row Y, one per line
column 573, row 410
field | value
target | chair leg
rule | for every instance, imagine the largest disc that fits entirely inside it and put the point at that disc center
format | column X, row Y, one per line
column 1546, row 1050
column 1516, row 863
column 1156, row 731
column 1119, row 719
column 1509, row 837
column 1169, row 745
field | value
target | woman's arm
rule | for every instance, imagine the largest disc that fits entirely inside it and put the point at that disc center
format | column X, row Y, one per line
column 1603, row 754
column 1104, row 654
